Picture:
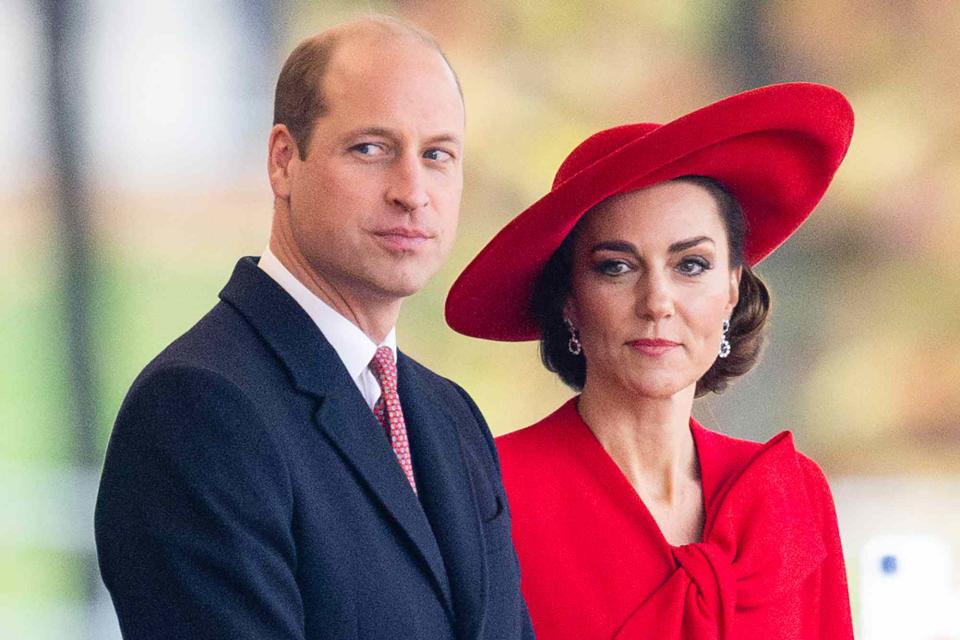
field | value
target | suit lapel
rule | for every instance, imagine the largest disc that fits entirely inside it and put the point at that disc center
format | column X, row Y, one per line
column 342, row 415
column 446, row 494
column 358, row 436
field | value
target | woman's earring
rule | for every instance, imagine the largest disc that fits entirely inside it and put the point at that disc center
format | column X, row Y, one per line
column 724, row 343
column 573, row 344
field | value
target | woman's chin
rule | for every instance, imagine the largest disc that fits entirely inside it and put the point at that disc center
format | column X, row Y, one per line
column 657, row 387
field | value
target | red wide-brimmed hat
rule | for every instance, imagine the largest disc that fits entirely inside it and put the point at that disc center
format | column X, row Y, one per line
column 775, row 149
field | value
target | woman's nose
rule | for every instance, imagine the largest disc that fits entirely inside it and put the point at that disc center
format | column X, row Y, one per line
column 655, row 297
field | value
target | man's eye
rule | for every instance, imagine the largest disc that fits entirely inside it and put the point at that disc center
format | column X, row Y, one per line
column 368, row 149
column 438, row 155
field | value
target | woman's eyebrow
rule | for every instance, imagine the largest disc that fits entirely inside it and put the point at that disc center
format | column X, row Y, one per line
column 623, row 246
column 615, row 245
column 683, row 245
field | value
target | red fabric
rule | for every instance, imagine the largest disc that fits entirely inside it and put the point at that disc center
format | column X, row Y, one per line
column 388, row 410
column 594, row 563
column 774, row 148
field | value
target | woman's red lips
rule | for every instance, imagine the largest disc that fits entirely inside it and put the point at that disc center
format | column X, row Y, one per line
column 656, row 342
column 653, row 346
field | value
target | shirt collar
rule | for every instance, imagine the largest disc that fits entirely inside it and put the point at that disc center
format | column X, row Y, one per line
column 353, row 346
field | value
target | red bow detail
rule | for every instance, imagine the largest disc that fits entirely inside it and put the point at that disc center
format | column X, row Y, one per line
column 761, row 540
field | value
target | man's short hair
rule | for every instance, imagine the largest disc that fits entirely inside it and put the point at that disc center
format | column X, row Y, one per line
column 300, row 99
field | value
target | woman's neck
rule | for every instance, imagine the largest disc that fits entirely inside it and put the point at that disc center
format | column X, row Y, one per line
column 648, row 438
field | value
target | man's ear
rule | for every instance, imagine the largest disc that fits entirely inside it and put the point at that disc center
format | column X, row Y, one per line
column 282, row 151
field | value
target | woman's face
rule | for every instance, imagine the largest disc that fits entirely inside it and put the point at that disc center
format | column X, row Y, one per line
column 650, row 288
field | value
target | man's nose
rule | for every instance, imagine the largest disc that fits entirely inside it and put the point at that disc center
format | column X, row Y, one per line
column 655, row 296
column 407, row 188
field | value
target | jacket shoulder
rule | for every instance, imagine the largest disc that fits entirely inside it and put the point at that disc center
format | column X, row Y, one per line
column 537, row 450
column 453, row 398
column 451, row 395
column 219, row 338
column 740, row 451
column 221, row 346
column 534, row 435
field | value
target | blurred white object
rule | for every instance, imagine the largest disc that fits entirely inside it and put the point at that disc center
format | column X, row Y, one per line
column 906, row 589
column 951, row 617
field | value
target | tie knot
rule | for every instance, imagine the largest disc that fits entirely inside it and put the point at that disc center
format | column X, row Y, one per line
column 384, row 369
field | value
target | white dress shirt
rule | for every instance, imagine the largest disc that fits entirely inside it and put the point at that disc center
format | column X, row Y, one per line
column 351, row 344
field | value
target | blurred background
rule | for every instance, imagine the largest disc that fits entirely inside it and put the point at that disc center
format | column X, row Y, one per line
column 132, row 176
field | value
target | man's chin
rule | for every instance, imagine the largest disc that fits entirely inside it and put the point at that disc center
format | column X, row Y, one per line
column 407, row 277
column 402, row 285
column 406, row 289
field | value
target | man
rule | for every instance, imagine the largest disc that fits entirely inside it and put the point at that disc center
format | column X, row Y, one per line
column 279, row 471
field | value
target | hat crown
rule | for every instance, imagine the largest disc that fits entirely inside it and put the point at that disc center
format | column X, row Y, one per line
column 775, row 149
column 598, row 146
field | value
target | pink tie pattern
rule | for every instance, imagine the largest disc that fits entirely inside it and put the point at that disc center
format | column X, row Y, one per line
column 388, row 411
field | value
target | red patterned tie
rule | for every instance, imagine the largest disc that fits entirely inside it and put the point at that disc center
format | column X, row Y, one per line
column 388, row 411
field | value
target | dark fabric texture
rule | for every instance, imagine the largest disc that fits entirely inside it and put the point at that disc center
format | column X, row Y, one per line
column 249, row 492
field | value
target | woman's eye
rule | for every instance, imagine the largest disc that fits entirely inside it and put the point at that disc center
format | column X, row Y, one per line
column 693, row 266
column 613, row 267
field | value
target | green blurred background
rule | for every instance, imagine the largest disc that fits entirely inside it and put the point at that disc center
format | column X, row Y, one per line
column 120, row 227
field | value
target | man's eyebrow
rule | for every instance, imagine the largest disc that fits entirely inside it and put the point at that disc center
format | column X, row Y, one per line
column 383, row 132
column 379, row 132
column 445, row 137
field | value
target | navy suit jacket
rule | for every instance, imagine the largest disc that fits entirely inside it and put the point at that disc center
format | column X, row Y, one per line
column 249, row 492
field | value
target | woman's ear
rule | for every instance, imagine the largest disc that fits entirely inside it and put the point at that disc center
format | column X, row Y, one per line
column 735, row 274
column 570, row 312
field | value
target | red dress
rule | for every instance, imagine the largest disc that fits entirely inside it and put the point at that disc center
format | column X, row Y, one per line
column 594, row 563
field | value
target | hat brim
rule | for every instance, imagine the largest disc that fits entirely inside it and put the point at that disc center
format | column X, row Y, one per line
column 775, row 149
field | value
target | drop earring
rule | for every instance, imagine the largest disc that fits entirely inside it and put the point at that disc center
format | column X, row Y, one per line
column 724, row 343
column 573, row 344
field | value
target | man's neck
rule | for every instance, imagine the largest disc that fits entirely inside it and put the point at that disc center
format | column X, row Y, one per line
column 374, row 316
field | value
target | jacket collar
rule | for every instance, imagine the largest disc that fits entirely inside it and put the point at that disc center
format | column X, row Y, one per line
column 353, row 346
column 286, row 328
column 446, row 493
column 316, row 370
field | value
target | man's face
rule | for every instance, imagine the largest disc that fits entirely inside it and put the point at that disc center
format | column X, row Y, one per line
column 374, row 207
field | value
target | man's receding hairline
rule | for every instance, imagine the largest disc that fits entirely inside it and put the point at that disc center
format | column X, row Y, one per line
column 300, row 98
column 395, row 26
column 367, row 27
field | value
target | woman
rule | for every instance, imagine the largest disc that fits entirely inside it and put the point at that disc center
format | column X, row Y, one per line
column 630, row 519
